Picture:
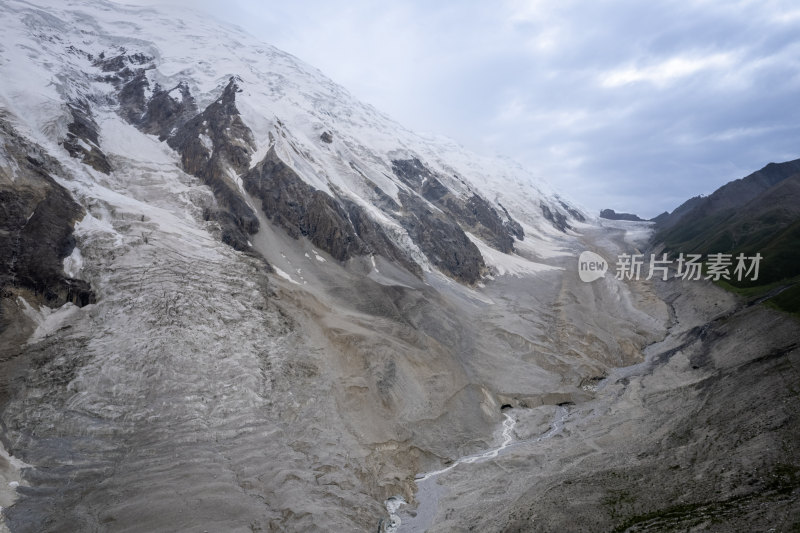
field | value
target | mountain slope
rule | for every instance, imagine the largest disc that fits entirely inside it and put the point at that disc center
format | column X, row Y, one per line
column 282, row 289
column 266, row 306
column 731, row 195
column 337, row 145
column 758, row 214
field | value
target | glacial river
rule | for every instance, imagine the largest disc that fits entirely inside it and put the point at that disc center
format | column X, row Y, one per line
column 429, row 490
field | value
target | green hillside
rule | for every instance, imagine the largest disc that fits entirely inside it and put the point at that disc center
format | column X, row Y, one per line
column 767, row 223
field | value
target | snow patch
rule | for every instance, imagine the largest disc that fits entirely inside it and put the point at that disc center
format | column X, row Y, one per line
column 176, row 94
column 73, row 263
column 285, row 276
column 541, row 246
column 123, row 139
column 508, row 264
column 8, row 164
column 10, row 476
column 47, row 320
column 209, row 145
column 90, row 226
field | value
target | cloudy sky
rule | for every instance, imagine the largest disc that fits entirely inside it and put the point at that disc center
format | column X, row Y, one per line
column 628, row 104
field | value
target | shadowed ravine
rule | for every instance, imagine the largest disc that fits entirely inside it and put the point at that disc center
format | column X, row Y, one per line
column 429, row 491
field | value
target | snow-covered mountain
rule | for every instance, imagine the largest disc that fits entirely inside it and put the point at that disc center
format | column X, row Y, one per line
column 233, row 298
column 236, row 297
column 77, row 75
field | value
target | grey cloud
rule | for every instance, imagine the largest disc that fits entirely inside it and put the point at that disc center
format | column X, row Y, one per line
column 705, row 91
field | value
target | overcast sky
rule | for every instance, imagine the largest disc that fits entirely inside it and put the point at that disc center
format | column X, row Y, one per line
column 628, row 104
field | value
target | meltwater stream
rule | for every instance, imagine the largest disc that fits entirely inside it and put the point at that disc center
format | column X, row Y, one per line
column 429, row 491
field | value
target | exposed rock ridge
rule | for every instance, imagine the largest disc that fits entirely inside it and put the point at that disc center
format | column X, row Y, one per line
column 165, row 114
column 214, row 145
column 473, row 214
column 610, row 214
column 338, row 226
column 37, row 216
column 556, row 217
column 82, row 137
column 512, row 225
column 574, row 213
column 733, row 194
column 441, row 239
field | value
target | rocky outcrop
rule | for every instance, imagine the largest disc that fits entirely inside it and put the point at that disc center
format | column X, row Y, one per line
column 168, row 110
column 132, row 99
column 555, row 217
column 376, row 239
column 473, row 214
column 610, row 214
column 121, row 63
column 442, row 240
column 82, row 139
column 163, row 113
column 302, row 210
column 339, row 226
column 37, row 216
column 513, row 227
column 127, row 73
column 211, row 145
column 488, row 224
column 574, row 213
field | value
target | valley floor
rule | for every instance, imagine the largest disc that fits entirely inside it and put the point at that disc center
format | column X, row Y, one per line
column 702, row 435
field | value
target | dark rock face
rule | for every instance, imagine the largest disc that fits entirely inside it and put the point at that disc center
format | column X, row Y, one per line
column 37, row 216
column 302, row 210
column 209, row 144
column 121, row 61
column 132, row 100
column 489, row 224
column 442, row 240
column 574, row 213
column 555, row 217
column 162, row 114
column 215, row 142
column 474, row 214
column 166, row 114
column 610, row 214
column 417, row 176
column 340, row 227
column 513, row 227
column 82, row 140
column 412, row 172
column 376, row 239
column 128, row 76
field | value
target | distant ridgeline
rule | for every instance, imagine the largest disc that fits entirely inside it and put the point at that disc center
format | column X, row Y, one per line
column 610, row 214
column 756, row 214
